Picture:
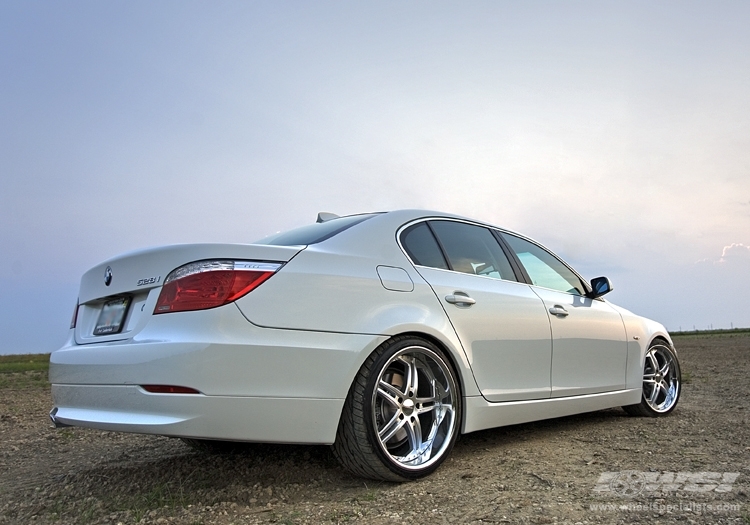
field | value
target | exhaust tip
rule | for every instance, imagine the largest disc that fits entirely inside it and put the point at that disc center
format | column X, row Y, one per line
column 55, row 422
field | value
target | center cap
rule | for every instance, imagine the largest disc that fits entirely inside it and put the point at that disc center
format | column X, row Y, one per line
column 408, row 406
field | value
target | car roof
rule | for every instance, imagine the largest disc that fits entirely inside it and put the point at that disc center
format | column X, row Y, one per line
column 398, row 218
column 376, row 236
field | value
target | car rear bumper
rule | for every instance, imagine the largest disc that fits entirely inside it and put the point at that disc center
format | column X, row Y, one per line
column 260, row 419
column 219, row 353
column 253, row 383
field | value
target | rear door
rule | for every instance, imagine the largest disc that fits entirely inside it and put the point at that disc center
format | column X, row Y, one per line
column 501, row 323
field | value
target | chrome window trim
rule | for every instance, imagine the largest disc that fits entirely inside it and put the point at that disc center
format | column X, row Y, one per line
column 403, row 227
column 470, row 223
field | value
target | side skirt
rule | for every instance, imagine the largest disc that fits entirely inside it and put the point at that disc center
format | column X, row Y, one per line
column 481, row 414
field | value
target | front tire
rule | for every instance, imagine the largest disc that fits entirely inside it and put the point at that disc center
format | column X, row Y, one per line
column 662, row 382
column 402, row 414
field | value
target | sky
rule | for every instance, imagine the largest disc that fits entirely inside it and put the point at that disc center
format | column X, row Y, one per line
column 615, row 133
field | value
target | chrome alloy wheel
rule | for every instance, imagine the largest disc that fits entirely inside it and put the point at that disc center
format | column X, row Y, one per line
column 661, row 379
column 414, row 408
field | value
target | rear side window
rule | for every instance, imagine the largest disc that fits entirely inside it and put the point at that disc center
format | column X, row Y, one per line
column 472, row 249
column 422, row 247
column 315, row 233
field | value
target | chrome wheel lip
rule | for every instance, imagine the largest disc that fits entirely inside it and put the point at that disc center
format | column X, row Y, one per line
column 661, row 378
column 438, row 410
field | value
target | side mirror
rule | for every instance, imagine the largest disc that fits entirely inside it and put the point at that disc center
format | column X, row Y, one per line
column 600, row 286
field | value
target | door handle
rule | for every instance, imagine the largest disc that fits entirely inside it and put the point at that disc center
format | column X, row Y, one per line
column 558, row 310
column 460, row 299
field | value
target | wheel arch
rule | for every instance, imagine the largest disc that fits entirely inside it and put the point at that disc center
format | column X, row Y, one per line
column 660, row 338
column 672, row 389
column 454, row 362
column 464, row 375
column 657, row 337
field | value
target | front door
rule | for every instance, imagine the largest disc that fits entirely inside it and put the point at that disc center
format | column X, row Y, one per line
column 589, row 344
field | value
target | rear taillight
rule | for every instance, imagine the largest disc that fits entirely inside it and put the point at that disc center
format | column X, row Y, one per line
column 75, row 317
column 208, row 284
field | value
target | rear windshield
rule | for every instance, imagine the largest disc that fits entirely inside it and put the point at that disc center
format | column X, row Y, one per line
column 315, row 233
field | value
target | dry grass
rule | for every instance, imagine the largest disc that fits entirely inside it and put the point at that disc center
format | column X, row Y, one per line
column 24, row 371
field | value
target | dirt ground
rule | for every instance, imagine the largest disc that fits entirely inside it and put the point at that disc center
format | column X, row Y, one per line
column 592, row 468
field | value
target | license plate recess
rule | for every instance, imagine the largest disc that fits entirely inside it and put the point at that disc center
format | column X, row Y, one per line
column 112, row 316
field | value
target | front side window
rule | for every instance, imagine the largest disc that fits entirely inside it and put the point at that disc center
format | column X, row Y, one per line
column 545, row 269
column 472, row 249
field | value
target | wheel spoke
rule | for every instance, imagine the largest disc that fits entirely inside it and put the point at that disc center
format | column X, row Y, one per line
column 444, row 409
column 665, row 369
column 664, row 386
column 654, row 395
column 413, row 383
column 389, row 399
column 389, row 391
column 427, row 404
column 393, row 426
column 436, row 424
column 410, row 378
column 414, row 434
column 433, row 394
column 441, row 392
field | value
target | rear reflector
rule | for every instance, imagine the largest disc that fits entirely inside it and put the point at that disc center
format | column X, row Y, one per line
column 169, row 389
column 208, row 284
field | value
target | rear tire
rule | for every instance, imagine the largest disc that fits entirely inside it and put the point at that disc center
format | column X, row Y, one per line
column 662, row 382
column 402, row 414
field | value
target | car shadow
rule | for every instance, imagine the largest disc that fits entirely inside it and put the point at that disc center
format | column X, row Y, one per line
column 251, row 464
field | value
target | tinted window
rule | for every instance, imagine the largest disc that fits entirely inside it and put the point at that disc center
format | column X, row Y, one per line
column 315, row 233
column 545, row 269
column 472, row 249
column 422, row 247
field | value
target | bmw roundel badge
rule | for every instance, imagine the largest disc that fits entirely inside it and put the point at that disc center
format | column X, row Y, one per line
column 108, row 276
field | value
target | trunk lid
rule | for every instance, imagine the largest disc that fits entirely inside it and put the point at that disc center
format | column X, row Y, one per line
column 138, row 277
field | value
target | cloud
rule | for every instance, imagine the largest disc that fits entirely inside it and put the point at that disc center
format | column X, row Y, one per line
column 735, row 253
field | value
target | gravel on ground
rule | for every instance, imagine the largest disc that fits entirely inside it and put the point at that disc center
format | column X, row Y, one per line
column 603, row 467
